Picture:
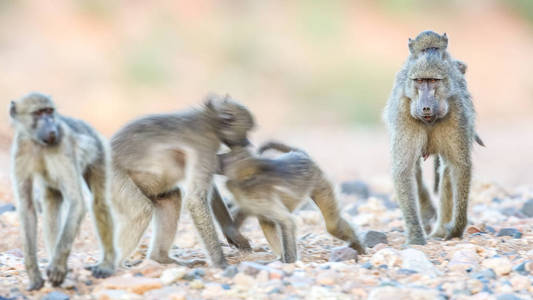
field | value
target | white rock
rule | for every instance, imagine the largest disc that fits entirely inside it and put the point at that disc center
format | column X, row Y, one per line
column 386, row 256
column 417, row 260
column 500, row 265
column 402, row 293
column 172, row 275
column 464, row 259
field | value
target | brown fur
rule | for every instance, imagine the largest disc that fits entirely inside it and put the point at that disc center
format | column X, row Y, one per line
column 447, row 132
column 271, row 189
column 160, row 159
column 68, row 162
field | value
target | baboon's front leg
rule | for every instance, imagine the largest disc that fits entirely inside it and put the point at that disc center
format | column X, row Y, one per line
column 198, row 206
column 460, row 175
column 28, row 217
column 72, row 192
column 272, row 236
column 427, row 210
column 403, row 172
column 228, row 226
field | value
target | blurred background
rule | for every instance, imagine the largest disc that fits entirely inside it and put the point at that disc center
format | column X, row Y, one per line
column 316, row 74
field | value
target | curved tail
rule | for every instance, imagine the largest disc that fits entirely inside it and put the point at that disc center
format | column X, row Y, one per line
column 278, row 147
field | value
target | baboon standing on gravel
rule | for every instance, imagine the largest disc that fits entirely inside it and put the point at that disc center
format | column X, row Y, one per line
column 160, row 158
column 67, row 161
column 430, row 111
column 271, row 189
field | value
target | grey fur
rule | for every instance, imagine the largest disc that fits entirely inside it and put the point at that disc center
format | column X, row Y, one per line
column 68, row 162
column 160, row 159
column 449, row 134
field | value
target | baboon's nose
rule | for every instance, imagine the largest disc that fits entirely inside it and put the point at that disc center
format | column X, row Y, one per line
column 52, row 137
column 426, row 110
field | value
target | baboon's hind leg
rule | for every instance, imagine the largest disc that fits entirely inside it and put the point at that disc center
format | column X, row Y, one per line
column 133, row 211
column 52, row 218
column 98, row 180
column 165, row 224
column 324, row 197
column 446, row 204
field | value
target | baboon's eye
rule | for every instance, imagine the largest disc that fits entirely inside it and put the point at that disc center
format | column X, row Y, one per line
column 433, row 80
column 419, row 80
column 227, row 118
column 48, row 110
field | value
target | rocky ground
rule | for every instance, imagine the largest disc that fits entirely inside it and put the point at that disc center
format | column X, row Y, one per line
column 493, row 261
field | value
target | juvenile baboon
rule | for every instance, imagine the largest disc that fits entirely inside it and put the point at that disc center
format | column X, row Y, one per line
column 273, row 188
column 68, row 162
column 430, row 111
column 160, row 159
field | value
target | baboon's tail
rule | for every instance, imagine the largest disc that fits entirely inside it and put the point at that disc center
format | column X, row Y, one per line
column 278, row 147
column 479, row 140
column 436, row 166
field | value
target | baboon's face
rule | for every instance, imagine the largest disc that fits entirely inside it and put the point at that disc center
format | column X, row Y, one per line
column 428, row 106
column 428, row 91
column 234, row 122
column 35, row 115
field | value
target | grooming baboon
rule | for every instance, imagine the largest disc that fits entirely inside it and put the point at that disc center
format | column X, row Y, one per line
column 67, row 161
column 159, row 159
column 273, row 188
column 430, row 111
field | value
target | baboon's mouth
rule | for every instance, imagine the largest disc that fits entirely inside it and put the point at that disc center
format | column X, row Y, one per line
column 428, row 118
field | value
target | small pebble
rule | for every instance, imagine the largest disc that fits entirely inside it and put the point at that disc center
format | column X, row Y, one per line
column 512, row 232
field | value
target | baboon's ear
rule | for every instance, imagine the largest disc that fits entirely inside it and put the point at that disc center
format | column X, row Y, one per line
column 445, row 40
column 461, row 66
column 227, row 97
column 410, row 44
column 209, row 104
column 12, row 109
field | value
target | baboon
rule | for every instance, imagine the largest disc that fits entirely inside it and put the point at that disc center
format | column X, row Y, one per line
column 68, row 162
column 430, row 112
column 271, row 189
column 160, row 159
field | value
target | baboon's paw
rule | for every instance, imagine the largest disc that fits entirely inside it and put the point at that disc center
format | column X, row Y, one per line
column 35, row 285
column 453, row 231
column 238, row 240
column 56, row 274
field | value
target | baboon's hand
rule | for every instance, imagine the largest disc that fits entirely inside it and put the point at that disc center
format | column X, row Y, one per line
column 35, row 284
column 236, row 239
column 56, row 274
column 453, row 231
column 101, row 270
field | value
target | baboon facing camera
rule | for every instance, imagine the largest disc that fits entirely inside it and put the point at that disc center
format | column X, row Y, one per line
column 160, row 159
column 430, row 112
column 68, row 162
column 271, row 189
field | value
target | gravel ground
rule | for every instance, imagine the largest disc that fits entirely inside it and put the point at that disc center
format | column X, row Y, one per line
column 493, row 261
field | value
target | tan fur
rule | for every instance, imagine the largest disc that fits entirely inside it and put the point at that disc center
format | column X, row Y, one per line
column 450, row 136
column 271, row 189
column 160, row 159
column 71, row 171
